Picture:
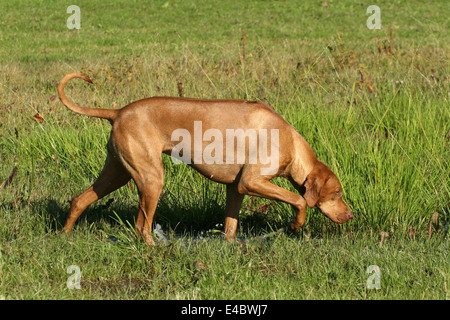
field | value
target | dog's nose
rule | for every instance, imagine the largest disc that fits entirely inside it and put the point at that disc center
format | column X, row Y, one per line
column 349, row 215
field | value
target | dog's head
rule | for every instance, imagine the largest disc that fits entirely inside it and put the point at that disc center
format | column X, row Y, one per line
column 324, row 190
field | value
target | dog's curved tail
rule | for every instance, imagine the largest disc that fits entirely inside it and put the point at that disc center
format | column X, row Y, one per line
column 109, row 114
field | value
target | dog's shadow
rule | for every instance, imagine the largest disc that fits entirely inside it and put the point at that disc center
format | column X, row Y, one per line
column 55, row 213
column 112, row 213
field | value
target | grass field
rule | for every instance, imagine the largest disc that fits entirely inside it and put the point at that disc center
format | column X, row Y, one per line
column 373, row 104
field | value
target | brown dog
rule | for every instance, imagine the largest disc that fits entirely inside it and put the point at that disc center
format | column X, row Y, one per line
column 144, row 129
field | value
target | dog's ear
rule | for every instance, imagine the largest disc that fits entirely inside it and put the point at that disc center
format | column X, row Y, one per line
column 313, row 185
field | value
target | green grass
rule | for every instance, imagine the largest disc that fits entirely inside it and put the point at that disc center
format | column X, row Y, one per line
column 372, row 106
column 279, row 268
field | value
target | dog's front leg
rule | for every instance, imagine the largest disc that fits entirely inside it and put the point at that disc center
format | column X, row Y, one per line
column 263, row 188
column 234, row 202
column 299, row 220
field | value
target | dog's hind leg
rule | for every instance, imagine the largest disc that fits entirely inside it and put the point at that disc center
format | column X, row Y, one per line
column 113, row 176
column 147, row 171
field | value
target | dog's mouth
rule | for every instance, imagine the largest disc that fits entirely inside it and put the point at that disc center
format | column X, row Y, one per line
column 348, row 215
column 341, row 217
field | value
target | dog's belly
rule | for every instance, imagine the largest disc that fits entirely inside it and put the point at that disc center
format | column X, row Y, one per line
column 223, row 173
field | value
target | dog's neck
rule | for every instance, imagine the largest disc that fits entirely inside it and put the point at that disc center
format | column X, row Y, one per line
column 304, row 159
